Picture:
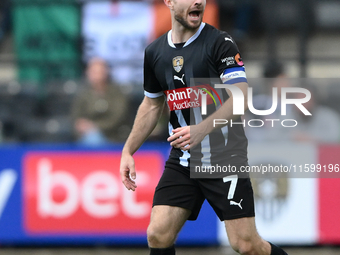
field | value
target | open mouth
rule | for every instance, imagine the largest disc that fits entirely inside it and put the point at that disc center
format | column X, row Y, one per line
column 194, row 14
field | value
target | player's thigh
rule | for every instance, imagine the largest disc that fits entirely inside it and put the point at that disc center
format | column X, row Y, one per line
column 167, row 219
column 177, row 190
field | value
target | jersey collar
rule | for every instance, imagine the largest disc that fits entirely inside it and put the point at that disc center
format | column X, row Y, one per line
column 191, row 39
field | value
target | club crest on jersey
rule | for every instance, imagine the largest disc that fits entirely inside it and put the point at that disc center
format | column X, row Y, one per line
column 177, row 63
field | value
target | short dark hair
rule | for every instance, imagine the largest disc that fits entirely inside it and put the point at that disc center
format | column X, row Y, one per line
column 273, row 69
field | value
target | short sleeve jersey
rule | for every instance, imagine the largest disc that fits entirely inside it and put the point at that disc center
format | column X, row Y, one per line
column 169, row 71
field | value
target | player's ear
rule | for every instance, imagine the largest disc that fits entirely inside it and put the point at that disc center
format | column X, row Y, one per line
column 168, row 3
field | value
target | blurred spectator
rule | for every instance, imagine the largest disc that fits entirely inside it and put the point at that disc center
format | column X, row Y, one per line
column 100, row 112
column 322, row 127
column 5, row 18
column 274, row 70
column 238, row 17
column 274, row 77
column 244, row 13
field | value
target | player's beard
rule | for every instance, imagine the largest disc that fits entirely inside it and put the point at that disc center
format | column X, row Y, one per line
column 180, row 18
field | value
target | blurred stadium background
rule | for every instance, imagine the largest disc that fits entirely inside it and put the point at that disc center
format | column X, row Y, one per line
column 56, row 193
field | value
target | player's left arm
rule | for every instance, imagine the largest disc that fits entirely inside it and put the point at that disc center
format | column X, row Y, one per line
column 230, row 65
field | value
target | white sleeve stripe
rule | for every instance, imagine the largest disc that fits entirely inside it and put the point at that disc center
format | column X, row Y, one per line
column 153, row 95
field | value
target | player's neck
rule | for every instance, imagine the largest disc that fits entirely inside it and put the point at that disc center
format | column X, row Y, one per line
column 181, row 34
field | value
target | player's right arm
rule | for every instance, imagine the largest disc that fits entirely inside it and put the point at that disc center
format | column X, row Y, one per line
column 146, row 120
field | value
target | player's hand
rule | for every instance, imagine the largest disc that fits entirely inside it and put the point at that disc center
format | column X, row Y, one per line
column 186, row 137
column 128, row 172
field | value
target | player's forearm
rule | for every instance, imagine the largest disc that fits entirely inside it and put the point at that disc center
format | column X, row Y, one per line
column 146, row 120
column 225, row 112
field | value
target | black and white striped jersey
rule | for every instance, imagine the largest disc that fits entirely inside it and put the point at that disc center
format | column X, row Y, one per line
column 172, row 70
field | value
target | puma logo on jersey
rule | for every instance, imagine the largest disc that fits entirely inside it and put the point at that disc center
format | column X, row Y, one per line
column 179, row 79
column 228, row 39
column 238, row 204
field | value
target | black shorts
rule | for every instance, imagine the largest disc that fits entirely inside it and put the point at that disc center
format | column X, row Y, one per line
column 230, row 197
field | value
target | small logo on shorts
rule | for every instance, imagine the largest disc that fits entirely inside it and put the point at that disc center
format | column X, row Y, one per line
column 238, row 204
